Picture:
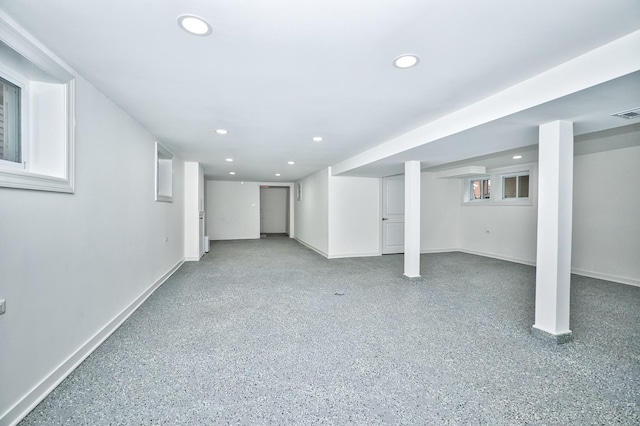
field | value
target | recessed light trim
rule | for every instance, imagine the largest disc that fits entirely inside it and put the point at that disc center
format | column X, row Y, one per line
column 222, row 132
column 408, row 60
column 232, row 173
column 194, row 25
column 291, row 163
column 317, row 138
column 517, row 157
column 229, row 160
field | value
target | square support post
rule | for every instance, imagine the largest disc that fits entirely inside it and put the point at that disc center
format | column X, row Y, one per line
column 555, row 209
column 412, row 219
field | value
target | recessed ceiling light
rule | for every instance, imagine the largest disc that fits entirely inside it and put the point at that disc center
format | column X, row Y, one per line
column 291, row 163
column 517, row 157
column 229, row 160
column 232, row 173
column 222, row 131
column 406, row 61
column 277, row 174
column 317, row 139
column 194, row 25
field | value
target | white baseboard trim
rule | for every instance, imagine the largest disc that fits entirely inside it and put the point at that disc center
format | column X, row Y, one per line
column 499, row 257
column 346, row 255
column 312, row 247
column 23, row 407
column 606, row 277
column 433, row 251
column 577, row 271
column 193, row 259
column 242, row 237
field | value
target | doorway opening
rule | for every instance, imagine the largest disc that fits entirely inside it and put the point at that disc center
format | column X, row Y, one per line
column 274, row 210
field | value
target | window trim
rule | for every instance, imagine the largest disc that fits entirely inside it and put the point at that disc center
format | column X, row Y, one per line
column 515, row 175
column 164, row 192
column 482, row 179
column 20, row 81
column 39, row 56
column 496, row 176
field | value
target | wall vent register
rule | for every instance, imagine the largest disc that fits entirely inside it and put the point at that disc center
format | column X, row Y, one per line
column 629, row 114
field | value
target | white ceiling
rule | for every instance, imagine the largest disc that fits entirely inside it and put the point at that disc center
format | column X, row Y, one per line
column 275, row 73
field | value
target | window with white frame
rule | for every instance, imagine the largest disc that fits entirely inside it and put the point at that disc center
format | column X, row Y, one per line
column 510, row 185
column 36, row 115
column 479, row 189
column 515, row 186
column 10, row 117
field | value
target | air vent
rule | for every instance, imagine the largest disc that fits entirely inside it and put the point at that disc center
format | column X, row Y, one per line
column 629, row 115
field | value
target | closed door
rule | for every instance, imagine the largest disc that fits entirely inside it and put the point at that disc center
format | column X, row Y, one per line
column 393, row 215
column 201, row 232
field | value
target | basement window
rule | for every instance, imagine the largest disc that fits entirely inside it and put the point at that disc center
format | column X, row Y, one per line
column 503, row 186
column 36, row 115
column 164, row 174
column 10, row 127
column 479, row 189
column 515, row 187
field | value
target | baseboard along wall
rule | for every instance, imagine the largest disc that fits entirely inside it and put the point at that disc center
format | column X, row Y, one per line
column 16, row 413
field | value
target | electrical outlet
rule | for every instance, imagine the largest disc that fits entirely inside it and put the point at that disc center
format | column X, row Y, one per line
column 3, row 306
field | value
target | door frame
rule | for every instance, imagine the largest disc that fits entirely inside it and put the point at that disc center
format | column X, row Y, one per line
column 291, row 200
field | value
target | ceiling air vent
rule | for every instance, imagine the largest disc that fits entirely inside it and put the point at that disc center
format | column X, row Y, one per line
column 629, row 114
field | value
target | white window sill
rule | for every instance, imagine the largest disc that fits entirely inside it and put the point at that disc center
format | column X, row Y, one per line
column 26, row 180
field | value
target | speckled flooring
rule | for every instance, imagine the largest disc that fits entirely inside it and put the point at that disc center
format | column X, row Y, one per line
column 269, row 332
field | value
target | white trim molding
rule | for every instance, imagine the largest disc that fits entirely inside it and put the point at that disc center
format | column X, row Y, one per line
column 320, row 252
column 606, row 277
column 16, row 413
column 50, row 143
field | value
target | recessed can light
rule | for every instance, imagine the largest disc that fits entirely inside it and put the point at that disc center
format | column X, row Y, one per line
column 194, row 25
column 317, row 139
column 229, row 160
column 277, row 174
column 222, row 131
column 291, row 163
column 232, row 173
column 406, row 61
column 517, row 157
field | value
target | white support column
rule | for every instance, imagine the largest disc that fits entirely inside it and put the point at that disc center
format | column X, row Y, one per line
column 412, row 219
column 555, row 197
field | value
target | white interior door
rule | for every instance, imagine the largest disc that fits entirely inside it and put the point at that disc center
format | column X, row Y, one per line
column 201, row 233
column 393, row 215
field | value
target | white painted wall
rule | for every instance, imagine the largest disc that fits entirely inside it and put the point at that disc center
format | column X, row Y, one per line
column 233, row 210
column 354, row 216
column 606, row 231
column 311, row 213
column 606, row 208
column 501, row 230
column 504, row 232
column 71, row 263
column 193, row 205
column 439, row 213
column 273, row 210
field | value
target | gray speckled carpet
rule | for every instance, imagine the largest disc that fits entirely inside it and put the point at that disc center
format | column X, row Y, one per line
column 269, row 332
